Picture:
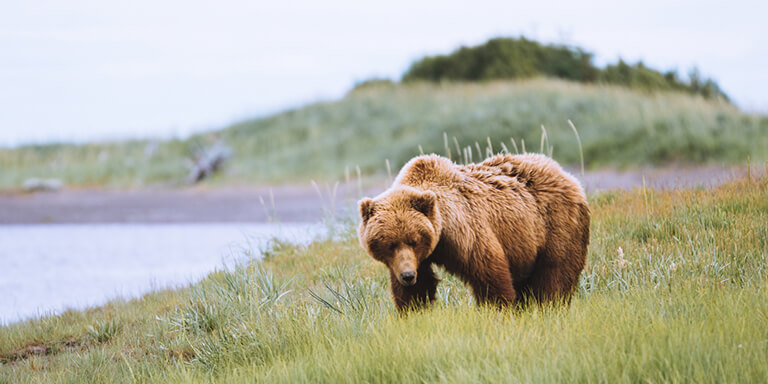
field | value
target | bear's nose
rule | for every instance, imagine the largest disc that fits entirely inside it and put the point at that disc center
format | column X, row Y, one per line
column 408, row 277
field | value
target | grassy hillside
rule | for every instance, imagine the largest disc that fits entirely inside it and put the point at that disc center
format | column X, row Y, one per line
column 618, row 127
column 675, row 290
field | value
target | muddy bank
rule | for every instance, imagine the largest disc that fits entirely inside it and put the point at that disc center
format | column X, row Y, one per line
column 222, row 205
column 301, row 203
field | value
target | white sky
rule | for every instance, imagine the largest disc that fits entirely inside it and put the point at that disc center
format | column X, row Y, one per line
column 89, row 70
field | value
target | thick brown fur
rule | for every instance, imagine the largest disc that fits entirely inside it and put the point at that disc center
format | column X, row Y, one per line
column 513, row 228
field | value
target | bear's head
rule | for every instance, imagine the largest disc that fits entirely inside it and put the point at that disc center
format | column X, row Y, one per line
column 400, row 228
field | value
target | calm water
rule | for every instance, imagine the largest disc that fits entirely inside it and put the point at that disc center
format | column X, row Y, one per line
column 49, row 268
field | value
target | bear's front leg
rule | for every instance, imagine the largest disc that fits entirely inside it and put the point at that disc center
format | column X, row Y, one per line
column 417, row 295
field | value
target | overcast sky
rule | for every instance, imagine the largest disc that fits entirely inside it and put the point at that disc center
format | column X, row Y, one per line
column 80, row 70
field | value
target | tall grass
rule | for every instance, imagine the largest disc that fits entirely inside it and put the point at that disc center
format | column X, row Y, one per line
column 618, row 127
column 674, row 291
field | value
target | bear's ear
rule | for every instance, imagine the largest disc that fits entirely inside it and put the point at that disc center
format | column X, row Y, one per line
column 424, row 202
column 366, row 209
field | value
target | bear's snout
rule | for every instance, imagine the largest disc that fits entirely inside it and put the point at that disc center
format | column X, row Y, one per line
column 408, row 277
column 403, row 266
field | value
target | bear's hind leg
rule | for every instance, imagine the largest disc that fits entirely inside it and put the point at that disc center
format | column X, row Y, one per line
column 417, row 295
column 549, row 283
column 559, row 264
column 556, row 275
column 494, row 286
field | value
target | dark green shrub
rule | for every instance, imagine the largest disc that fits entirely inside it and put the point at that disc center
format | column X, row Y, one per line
column 510, row 58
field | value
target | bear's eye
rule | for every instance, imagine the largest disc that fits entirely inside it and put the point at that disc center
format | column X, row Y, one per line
column 411, row 243
column 392, row 246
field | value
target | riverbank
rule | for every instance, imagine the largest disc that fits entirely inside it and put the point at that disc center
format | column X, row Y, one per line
column 293, row 203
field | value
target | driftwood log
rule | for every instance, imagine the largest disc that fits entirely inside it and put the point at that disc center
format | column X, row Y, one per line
column 42, row 185
column 208, row 162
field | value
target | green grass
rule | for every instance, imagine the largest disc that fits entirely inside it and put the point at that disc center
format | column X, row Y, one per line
column 327, row 141
column 675, row 290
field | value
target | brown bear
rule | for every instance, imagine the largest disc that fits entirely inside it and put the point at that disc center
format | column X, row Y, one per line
column 511, row 227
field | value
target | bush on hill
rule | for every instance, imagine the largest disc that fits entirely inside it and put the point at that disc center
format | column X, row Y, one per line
column 509, row 58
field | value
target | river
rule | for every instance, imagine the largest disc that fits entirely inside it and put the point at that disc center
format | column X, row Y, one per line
column 48, row 268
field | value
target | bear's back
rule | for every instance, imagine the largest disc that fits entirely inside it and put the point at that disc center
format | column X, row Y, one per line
column 539, row 174
column 524, row 175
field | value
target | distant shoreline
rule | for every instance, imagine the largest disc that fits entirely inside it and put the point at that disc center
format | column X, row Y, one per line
column 291, row 203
